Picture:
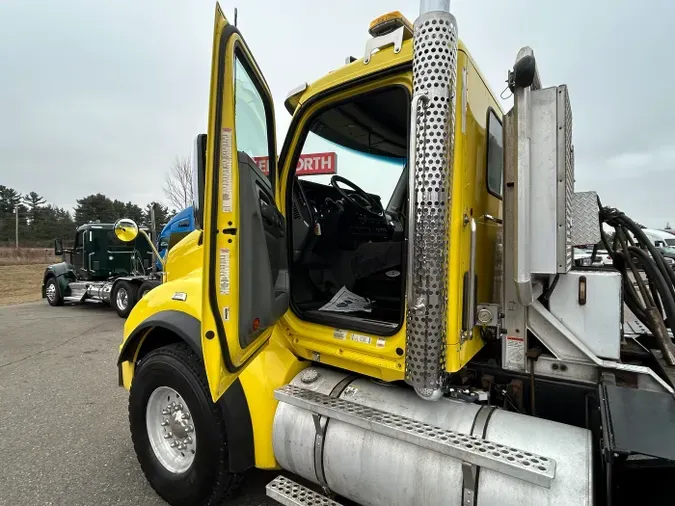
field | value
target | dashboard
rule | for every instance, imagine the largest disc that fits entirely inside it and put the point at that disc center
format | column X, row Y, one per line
column 321, row 208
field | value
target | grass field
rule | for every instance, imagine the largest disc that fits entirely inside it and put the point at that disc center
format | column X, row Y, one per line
column 27, row 256
column 20, row 283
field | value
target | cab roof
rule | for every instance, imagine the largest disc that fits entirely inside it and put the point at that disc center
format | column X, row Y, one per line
column 355, row 68
column 96, row 226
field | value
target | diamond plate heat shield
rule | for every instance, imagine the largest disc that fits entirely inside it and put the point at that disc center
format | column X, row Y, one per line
column 434, row 73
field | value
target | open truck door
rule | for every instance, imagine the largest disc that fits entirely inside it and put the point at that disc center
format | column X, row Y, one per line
column 245, row 269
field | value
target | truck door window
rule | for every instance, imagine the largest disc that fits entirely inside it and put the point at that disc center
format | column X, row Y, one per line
column 78, row 240
column 250, row 117
column 495, row 157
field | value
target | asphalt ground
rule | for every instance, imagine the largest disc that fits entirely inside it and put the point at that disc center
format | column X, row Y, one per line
column 64, row 434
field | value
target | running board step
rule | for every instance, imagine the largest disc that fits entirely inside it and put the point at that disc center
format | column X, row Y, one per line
column 470, row 449
column 289, row 493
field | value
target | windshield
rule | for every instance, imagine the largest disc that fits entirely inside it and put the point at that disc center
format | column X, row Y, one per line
column 110, row 241
column 374, row 174
column 670, row 242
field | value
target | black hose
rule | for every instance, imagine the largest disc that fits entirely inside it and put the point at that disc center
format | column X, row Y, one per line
column 659, row 282
column 654, row 301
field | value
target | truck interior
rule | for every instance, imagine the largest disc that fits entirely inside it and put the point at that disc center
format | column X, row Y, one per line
column 347, row 230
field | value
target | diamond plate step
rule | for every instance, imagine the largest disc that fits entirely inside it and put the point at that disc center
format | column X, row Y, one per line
column 289, row 493
column 473, row 450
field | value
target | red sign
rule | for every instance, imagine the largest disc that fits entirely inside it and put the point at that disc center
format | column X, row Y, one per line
column 308, row 165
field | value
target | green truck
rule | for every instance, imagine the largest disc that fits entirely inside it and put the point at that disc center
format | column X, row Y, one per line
column 101, row 268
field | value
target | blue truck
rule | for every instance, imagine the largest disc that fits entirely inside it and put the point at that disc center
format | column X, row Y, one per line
column 178, row 227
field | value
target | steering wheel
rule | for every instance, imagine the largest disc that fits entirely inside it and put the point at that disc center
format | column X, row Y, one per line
column 359, row 198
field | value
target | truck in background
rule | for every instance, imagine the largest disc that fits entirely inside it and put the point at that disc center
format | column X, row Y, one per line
column 103, row 268
column 659, row 238
column 176, row 229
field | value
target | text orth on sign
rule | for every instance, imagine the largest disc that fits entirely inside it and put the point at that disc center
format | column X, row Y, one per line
column 308, row 164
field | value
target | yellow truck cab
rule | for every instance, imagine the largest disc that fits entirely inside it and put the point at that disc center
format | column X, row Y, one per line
column 381, row 328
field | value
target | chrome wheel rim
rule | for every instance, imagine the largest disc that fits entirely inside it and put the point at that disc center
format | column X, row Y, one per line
column 51, row 292
column 170, row 430
column 122, row 298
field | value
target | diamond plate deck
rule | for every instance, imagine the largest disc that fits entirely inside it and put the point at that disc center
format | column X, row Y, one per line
column 585, row 219
column 289, row 493
column 470, row 449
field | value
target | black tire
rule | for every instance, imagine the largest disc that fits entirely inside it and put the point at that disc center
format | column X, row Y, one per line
column 131, row 291
column 207, row 481
column 57, row 299
column 145, row 287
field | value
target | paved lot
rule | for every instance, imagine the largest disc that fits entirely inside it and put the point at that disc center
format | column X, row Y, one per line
column 64, row 437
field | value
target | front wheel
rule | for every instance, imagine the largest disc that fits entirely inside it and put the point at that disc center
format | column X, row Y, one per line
column 123, row 298
column 177, row 431
column 53, row 293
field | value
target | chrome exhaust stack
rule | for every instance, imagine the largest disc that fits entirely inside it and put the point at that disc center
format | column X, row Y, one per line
column 430, row 165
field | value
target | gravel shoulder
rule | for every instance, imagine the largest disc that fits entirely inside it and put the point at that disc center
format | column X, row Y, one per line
column 20, row 283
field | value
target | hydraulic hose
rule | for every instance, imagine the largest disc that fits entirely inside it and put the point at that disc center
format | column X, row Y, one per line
column 653, row 303
column 653, row 315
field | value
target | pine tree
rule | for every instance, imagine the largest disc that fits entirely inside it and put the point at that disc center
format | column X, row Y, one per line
column 162, row 215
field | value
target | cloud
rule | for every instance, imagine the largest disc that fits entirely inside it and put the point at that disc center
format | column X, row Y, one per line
column 101, row 96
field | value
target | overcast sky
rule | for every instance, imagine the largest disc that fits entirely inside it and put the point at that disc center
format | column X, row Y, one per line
column 102, row 96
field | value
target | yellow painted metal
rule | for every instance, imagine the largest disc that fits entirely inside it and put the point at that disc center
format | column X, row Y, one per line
column 274, row 367
column 224, row 356
column 360, row 352
column 377, row 356
column 188, row 263
column 161, row 299
column 470, row 198
column 184, row 257
column 127, row 374
column 380, row 61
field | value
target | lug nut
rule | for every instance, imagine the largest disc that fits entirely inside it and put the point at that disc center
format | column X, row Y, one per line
column 165, row 422
column 186, row 416
column 173, row 444
column 189, row 428
column 165, row 411
column 167, row 436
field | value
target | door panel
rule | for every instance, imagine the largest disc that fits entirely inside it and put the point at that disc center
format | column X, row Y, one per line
column 77, row 258
column 245, row 275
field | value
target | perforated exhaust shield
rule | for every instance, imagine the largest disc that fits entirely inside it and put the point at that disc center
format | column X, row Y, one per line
column 434, row 74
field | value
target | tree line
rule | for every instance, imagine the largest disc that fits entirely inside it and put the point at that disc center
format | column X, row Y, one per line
column 40, row 222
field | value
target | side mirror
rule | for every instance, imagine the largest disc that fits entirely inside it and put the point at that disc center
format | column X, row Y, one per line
column 198, row 172
column 126, row 230
column 58, row 247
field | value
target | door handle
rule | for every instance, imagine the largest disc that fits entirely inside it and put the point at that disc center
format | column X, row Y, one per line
column 470, row 308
